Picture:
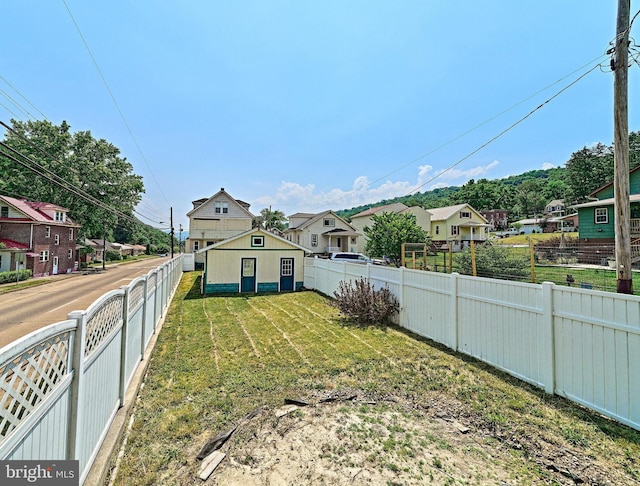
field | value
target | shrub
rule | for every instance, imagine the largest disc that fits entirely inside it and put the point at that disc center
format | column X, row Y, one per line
column 10, row 277
column 113, row 255
column 363, row 303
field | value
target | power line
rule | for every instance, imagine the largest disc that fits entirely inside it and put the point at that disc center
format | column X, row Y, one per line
column 503, row 131
column 24, row 98
column 53, row 174
column 465, row 133
column 113, row 98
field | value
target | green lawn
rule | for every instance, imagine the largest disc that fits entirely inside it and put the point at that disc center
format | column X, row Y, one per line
column 219, row 358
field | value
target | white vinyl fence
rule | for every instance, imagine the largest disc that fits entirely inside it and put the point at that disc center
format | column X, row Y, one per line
column 580, row 344
column 62, row 385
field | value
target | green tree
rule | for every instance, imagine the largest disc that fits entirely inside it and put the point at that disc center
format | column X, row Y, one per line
column 588, row 169
column 389, row 231
column 93, row 166
column 271, row 219
column 493, row 261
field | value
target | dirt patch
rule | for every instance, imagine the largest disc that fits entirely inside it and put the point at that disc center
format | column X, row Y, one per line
column 358, row 439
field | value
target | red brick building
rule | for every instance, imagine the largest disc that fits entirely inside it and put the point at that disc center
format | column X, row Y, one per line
column 45, row 237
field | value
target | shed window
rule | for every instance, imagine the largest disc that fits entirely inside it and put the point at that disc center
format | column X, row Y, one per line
column 257, row 241
column 602, row 216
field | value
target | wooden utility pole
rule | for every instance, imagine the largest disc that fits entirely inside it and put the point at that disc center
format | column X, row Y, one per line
column 621, row 205
column 171, row 226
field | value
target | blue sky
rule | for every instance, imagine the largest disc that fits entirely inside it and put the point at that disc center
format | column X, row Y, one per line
column 307, row 106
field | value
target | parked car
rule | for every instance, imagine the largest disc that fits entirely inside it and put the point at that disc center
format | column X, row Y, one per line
column 507, row 233
column 351, row 257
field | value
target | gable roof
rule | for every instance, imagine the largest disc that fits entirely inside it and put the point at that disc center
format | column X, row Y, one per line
column 250, row 232
column 439, row 214
column 377, row 209
column 609, row 184
column 315, row 218
column 241, row 204
column 34, row 210
column 13, row 245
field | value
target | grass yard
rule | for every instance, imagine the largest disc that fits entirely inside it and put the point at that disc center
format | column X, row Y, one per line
column 385, row 406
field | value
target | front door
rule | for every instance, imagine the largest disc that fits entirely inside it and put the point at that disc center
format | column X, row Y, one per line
column 55, row 265
column 286, row 274
column 248, row 277
column 339, row 242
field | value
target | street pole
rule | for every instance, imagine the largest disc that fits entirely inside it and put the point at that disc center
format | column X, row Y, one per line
column 620, row 66
column 180, row 243
column 171, row 225
column 104, row 243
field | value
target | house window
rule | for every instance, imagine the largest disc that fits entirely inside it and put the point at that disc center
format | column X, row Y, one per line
column 59, row 216
column 353, row 240
column 454, row 231
column 437, row 229
column 47, row 231
column 70, row 234
column 314, row 240
column 329, row 222
column 70, row 254
column 222, row 207
column 602, row 216
column 196, row 245
column 257, row 241
column 465, row 214
column 4, row 212
column 44, row 256
column 56, row 239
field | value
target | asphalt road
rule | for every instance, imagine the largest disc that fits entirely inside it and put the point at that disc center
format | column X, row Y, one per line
column 24, row 311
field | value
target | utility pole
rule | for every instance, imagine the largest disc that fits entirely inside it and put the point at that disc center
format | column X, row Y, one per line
column 621, row 206
column 104, row 243
column 171, row 225
column 180, row 242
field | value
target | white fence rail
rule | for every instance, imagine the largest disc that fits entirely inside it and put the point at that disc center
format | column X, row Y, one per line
column 580, row 344
column 61, row 386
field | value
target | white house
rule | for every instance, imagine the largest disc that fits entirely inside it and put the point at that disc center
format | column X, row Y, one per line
column 322, row 233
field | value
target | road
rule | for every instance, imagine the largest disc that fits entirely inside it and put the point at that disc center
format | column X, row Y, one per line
column 24, row 311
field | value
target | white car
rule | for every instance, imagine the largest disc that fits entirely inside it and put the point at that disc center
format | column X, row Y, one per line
column 351, row 257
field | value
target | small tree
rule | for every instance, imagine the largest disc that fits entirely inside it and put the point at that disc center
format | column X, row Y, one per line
column 389, row 231
column 364, row 304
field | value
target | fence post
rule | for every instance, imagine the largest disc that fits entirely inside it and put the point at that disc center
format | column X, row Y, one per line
column 453, row 309
column 547, row 348
column 123, row 344
column 143, row 329
column 77, row 385
column 401, row 299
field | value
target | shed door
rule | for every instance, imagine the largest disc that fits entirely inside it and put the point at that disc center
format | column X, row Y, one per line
column 248, row 277
column 286, row 274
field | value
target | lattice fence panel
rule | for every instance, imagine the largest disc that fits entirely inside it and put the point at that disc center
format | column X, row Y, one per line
column 27, row 379
column 151, row 284
column 136, row 296
column 102, row 322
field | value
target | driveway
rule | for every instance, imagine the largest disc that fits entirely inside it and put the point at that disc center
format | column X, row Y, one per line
column 27, row 310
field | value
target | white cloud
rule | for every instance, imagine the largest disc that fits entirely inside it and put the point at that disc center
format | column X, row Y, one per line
column 292, row 197
column 548, row 165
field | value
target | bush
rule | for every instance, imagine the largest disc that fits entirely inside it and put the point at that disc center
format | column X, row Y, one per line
column 10, row 277
column 364, row 304
column 113, row 255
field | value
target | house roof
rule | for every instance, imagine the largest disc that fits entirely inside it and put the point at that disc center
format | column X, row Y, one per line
column 377, row 209
column 608, row 184
column 243, row 205
column 315, row 217
column 439, row 214
column 605, row 202
column 34, row 210
column 246, row 233
column 13, row 245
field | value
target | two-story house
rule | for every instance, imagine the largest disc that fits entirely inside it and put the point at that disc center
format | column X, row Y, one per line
column 361, row 220
column 457, row 226
column 322, row 232
column 216, row 219
column 38, row 236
